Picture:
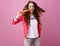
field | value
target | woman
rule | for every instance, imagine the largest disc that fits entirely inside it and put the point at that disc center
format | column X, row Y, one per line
column 30, row 16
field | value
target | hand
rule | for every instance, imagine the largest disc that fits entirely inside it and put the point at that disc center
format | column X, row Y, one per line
column 26, row 11
column 21, row 13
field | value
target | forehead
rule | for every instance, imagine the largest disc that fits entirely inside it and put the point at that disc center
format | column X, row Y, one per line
column 31, row 4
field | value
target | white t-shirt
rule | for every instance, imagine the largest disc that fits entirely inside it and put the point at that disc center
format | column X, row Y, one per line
column 33, row 31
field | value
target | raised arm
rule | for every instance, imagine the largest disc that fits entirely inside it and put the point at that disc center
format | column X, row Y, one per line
column 19, row 16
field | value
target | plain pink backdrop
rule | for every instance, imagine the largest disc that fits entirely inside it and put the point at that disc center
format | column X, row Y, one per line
column 11, row 35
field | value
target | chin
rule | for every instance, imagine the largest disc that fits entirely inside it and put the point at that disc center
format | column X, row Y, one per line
column 31, row 11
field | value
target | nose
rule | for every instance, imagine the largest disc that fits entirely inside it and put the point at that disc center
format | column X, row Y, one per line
column 31, row 8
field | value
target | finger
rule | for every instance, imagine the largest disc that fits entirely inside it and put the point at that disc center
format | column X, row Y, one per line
column 26, row 10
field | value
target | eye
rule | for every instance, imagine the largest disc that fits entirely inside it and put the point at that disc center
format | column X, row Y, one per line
column 30, row 6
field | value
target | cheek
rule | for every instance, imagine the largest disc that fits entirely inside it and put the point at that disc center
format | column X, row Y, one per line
column 32, row 9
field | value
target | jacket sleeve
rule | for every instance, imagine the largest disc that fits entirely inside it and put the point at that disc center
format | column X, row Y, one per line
column 17, row 21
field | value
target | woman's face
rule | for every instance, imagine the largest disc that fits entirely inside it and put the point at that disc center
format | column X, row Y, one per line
column 31, row 7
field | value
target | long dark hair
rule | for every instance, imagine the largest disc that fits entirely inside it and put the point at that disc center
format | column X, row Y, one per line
column 36, row 13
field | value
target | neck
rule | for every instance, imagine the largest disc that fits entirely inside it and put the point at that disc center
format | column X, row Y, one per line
column 31, row 14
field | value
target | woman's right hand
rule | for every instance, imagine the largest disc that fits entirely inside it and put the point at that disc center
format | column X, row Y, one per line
column 20, row 13
column 23, row 11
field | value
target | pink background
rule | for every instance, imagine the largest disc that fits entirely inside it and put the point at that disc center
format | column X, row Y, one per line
column 11, row 35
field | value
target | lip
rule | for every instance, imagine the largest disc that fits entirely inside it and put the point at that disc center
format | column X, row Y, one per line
column 31, row 10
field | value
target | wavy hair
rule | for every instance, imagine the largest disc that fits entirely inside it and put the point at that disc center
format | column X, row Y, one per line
column 37, row 12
